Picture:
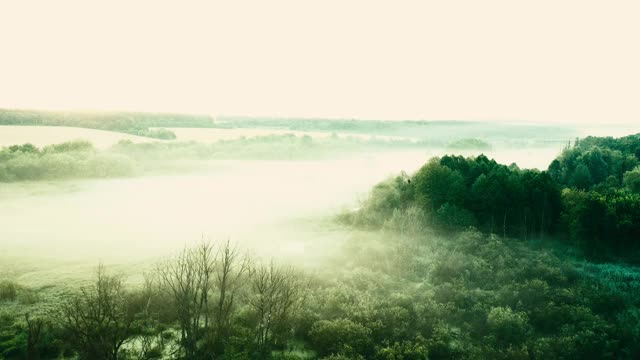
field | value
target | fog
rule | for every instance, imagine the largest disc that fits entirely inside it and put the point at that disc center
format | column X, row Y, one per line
column 281, row 209
column 274, row 208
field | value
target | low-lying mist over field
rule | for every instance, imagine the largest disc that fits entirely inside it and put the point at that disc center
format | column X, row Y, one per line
column 241, row 200
column 259, row 203
column 231, row 199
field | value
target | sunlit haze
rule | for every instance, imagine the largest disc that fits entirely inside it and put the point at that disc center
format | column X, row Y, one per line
column 544, row 61
column 319, row 180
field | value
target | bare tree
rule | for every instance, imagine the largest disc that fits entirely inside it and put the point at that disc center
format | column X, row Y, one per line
column 187, row 278
column 34, row 330
column 148, row 343
column 231, row 272
column 204, row 287
column 98, row 319
column 276, row 293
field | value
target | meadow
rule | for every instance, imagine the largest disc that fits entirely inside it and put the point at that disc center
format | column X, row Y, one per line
column 48, row 135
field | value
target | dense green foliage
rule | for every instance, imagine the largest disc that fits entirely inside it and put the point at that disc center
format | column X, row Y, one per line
column 456, row 192
column 601, row 201
column 596, row 163
column 402, row 293
column 589, row 197
column 141, row 124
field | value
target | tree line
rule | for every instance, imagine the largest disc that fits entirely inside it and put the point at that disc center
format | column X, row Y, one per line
column 74, row 159
column 589, row 196
column 80, row 159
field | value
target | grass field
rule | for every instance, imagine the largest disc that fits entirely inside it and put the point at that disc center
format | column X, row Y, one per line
column 47, row 135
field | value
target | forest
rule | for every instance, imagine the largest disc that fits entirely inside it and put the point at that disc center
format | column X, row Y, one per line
column 589, row 197
column 464, row 259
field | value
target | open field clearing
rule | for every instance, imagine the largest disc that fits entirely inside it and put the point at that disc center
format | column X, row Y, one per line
column 47, row 135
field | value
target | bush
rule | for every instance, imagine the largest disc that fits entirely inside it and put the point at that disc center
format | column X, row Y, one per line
column 8, row 290
column 632, row 180
column 471, row 143
column 507, row 326
column 66, row 160
column 69, row 146
column 340, row 336
column 407, row 350
column 109, row 165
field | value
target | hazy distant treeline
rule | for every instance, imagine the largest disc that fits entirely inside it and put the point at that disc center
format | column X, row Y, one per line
column 79, row 159
column 268, row 147
column 141, row 124
column 443, row 131
column 469, row 143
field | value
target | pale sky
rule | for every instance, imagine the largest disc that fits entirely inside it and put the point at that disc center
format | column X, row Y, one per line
column 551, row 61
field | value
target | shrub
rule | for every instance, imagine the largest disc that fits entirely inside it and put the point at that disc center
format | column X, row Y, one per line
column 338, row 336
column 507, row 326
column 632, row 180
column 407, row 350
column 8, row 290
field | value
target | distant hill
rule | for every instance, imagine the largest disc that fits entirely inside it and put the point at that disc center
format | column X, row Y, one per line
column 440, row 130
column 435, row 132
column 135, row 123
